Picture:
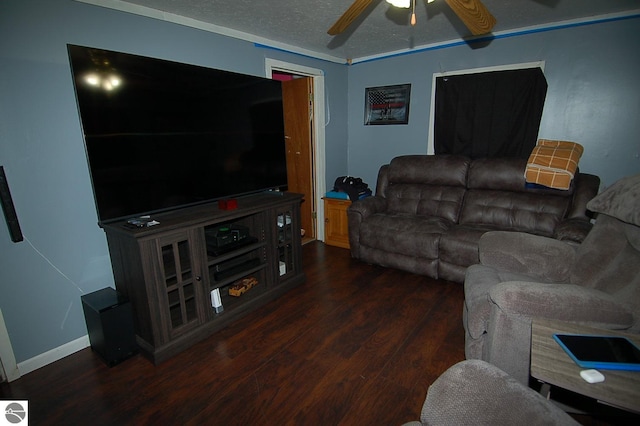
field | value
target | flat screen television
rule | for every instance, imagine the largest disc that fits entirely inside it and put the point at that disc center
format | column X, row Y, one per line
column 161, row 135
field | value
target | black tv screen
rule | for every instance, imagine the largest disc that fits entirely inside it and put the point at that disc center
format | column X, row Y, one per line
column 161, row 135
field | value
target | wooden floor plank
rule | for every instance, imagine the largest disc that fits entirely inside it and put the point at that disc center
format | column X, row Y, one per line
column 355, row 344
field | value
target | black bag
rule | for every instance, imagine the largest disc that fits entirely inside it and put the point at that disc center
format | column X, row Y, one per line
column 354, row 187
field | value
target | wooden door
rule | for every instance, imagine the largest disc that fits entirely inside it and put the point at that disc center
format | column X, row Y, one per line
column 298, row 125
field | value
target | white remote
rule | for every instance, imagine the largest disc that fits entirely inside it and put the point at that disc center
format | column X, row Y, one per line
column 592, row 376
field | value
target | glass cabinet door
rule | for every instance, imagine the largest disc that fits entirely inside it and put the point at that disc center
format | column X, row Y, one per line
column 287, row 231
column 181, row 284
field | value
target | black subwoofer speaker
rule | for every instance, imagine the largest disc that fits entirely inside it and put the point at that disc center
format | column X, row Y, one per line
column 109, row 321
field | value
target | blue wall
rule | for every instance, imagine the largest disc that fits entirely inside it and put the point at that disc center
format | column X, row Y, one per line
column 65, row 253
column 593, row 96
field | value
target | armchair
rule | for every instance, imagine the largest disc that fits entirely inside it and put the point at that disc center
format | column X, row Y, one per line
column 474, row 392
column 523, row 276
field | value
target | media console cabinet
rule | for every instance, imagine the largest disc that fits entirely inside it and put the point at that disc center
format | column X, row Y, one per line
column 168, row 271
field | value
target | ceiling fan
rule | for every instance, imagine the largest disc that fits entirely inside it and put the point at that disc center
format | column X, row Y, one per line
column 472, row 12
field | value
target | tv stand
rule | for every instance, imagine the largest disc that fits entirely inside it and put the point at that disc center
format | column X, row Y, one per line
column 168, row 274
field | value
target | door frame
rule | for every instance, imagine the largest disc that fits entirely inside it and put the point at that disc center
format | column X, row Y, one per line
column 9, row 368
column 319, row 165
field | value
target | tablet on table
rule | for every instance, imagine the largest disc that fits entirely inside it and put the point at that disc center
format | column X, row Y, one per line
column 603, row 352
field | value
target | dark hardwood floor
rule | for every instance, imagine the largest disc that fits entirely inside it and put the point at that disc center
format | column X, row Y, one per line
column 356, row 344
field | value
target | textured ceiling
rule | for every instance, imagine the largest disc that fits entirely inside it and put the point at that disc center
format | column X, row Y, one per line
column 301, row 25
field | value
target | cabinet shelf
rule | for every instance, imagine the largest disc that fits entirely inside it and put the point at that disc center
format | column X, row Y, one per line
column 232, row 303
column 230, row 248
column 237, row 275
column 212, row 260
column 168, row 274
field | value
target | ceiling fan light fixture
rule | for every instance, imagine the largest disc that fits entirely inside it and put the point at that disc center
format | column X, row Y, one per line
column 413, row 14
column 405, row 4
column 475, row 16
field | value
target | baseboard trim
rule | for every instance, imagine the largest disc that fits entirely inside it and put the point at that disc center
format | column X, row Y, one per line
column 55, row 354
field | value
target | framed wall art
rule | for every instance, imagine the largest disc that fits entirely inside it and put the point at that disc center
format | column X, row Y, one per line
column 387, row 104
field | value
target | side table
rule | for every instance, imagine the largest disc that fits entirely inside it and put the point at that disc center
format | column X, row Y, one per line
column 336, row 227
column 551, row 364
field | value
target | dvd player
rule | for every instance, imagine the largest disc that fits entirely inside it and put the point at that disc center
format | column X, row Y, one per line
column 225, row 235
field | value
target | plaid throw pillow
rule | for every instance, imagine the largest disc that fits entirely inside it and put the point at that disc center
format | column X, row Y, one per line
column 553, row 163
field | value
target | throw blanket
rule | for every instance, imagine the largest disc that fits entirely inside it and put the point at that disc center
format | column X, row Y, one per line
column 553, row 163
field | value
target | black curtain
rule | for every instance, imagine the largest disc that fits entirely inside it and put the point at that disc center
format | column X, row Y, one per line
column 491, row 114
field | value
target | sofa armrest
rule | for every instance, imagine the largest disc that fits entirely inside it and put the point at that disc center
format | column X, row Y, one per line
column 586, row 187
column 357, row 212
column 544, row 258
column 571, row 303
column 573, row 230
column 476, row 392
column 368, row 206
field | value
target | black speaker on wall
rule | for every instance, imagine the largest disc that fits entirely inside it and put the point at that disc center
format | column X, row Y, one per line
column 9, row 210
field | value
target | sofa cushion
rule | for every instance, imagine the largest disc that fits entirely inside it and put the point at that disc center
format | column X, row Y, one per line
column 449, row 170
column 513, row 211
column 425, row 200
column 459, row 245
column 507, row 174
column 409, row 235
column 499, row 197
column 458, row 250
column 427, row 185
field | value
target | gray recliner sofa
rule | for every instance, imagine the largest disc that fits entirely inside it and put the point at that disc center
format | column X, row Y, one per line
column 521, row 277
column 429, row 212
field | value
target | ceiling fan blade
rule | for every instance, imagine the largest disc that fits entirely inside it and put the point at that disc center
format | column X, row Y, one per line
column 474, row 15
column 349, row 16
